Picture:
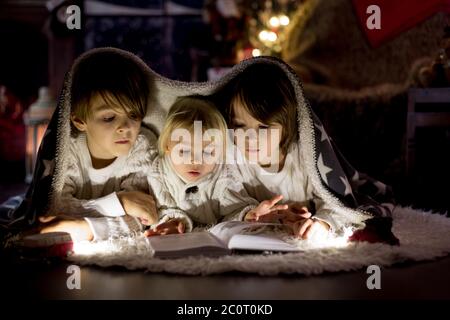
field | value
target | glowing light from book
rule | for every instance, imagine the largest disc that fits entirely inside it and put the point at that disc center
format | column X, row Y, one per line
column 87, row 248
column 334, row 242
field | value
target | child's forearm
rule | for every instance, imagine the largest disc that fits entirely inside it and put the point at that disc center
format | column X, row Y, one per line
column 78, row 229
column 139, row 205
column 105, row 228
column 108, row 206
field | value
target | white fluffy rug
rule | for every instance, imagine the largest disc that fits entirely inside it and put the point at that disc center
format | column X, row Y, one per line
column 422, row 235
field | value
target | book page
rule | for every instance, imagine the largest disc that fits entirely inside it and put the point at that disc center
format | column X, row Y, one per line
column 193, row 243
column 260, row 242
column 250, row 236
column 225, row 230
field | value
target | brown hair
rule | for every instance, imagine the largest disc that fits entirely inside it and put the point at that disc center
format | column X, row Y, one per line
column 119, row 80
column 267, row 94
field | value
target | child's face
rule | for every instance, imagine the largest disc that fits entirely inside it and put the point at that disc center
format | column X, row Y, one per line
column 110, row 131
column 260, row 142
column 192, row 161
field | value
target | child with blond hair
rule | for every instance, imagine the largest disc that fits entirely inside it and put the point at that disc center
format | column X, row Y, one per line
column 190, row 180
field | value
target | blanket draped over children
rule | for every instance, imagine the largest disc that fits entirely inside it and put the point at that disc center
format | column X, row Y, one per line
column 357, row 200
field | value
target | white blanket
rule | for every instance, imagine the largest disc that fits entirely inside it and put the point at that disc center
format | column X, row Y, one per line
column 422, row 235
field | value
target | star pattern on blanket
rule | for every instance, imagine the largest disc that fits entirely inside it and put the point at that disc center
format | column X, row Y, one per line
column 352, row 187
column 357, row 181
column 348, row 188
column 381, row 187
column 323, row 134
column 323, row 169
column 49, row 166
column 328, row 165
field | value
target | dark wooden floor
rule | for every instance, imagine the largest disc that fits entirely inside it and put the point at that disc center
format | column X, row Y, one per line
column 424, row 280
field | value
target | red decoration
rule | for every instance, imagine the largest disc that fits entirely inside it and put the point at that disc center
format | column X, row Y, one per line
column 396, row 16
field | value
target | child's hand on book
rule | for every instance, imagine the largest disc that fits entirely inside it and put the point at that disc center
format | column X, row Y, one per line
column 170, row 227
column 308, row 228
column 139, row 205
column 78, row 229
column 295, row 212
column 298, row 218
column 267, row 210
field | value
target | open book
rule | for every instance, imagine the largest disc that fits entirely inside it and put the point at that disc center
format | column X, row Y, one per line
column 221, row 239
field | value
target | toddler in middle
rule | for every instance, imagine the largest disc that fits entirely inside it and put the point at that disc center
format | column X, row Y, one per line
column 190, row 180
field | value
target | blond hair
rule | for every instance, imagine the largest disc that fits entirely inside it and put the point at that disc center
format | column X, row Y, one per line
column 184, row 112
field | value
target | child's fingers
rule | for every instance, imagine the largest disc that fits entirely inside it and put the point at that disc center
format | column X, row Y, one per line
column 286, row 215
column 270, row 203
column 295, row 226
column 281, row 207
column 304, row 227
column 168, row 227
column 250, row 216
column 157, row 229
column 275, row 199
column 299, row 208
column 180, row 227
column 289, row 215
column 145, row 221
column 268, row 217
column 319, row 230
column 297, row 216
column 260, row 214
column 151, row 233
column 147, row 216
column 305, row 215
column 315, row 227
column 46, row 219
column 174, row 229
column 270, row 210
column 164, row 231
column 165, row 225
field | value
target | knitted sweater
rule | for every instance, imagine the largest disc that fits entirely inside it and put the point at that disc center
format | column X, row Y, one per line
column 327, row 171
column 91, row 193
column 292, row 182
column 218, row 195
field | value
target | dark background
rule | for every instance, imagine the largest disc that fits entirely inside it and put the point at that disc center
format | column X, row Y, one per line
column 366, row 115
column 360, row 93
